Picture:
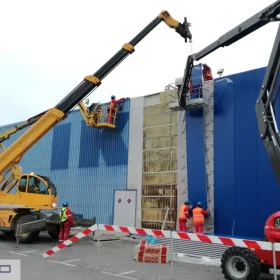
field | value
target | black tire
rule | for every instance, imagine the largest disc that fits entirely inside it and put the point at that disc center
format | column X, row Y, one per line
column 31, row 236
column 53, row 231
column 240, row 264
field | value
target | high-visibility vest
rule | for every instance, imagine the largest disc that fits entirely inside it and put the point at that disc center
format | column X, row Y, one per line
column 63, row 216
column 182, row 214
column 198, row 217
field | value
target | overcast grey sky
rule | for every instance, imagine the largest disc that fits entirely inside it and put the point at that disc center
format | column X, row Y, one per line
column 47, row 47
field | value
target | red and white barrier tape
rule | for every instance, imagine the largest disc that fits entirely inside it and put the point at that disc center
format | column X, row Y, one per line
column 71, row 240
column 251, row 244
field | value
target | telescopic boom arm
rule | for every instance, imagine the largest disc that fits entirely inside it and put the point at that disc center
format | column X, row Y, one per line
column 265, row 110
column 6, row 134
column 15, row 151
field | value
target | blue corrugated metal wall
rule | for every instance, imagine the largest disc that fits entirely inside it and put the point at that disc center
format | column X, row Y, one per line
column 246, row 191
column 87, row 165
column 195, row 139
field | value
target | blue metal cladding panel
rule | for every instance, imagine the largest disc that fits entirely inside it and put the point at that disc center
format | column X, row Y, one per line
column 245, row 155
column 97, row 167
column 38, row 158
column 60, row 146
column 196, row 150
column 224, row 199
column 246, row 191
column 90, row 188
column 94, row 152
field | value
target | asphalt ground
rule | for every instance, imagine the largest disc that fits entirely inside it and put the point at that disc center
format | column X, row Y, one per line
column 112, row 260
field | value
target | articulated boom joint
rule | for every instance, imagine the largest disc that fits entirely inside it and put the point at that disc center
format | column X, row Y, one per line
column 182, row 29
column 170, row 21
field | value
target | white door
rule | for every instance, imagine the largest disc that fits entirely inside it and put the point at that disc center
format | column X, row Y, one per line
column 125, row 208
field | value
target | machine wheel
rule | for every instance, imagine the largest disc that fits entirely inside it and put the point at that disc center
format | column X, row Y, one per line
column 53, row 231
column 31, row 236
column 240, row 264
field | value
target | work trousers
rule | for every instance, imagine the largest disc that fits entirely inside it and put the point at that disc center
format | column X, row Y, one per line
column 111, row 115
column 64, row 231
column 198, row 228
column 182, row 224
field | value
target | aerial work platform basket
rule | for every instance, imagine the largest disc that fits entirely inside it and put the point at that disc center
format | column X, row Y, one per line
column 99, row 116
column 195, row 97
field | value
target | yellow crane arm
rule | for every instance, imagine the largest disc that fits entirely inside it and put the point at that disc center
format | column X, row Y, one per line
column 14, row 152
column 6, row 134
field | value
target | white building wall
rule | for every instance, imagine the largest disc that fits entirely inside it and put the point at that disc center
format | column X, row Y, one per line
column 182, row 178
column 135, row 151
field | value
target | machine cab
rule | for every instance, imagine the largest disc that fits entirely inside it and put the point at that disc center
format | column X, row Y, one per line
column 34, row 191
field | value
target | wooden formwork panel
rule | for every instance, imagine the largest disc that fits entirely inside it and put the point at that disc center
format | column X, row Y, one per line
column 159, row 178
column 164, row 154
column 168, row 130
column 160, row 166
column 160, row 119
column 160, row 142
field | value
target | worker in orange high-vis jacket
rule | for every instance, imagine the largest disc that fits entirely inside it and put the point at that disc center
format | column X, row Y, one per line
column 207, row 73
column 112, row 108
column 198, row 218
column 184, row 215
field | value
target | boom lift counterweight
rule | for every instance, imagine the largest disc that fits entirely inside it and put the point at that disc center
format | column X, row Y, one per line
column 241, row 263
column 17, row 206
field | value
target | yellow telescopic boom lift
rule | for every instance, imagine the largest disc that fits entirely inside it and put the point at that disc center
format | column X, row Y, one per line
column 21, row 206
